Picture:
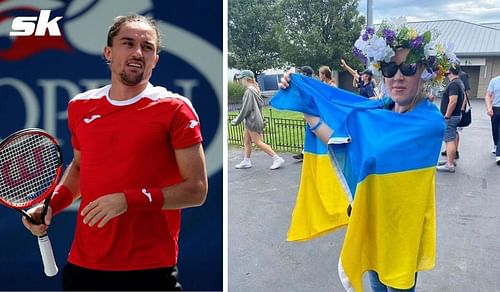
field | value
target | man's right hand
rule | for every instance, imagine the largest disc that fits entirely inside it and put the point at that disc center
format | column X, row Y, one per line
column 38, row 229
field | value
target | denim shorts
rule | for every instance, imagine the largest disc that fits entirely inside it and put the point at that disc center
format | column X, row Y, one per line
column 451, row 128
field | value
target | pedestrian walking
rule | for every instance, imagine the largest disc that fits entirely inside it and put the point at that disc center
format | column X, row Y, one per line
column 451, row 108
column 251, row 115
column 492, row 100
column 464, row 77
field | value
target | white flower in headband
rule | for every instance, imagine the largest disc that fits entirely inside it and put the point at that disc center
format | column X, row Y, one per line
column 374, row 47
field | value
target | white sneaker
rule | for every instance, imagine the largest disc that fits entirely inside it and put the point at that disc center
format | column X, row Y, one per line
column 445, row 168
column 497, row 159
column 443, row 162
column 277, row 162
column 245, row 163
column 494, row 150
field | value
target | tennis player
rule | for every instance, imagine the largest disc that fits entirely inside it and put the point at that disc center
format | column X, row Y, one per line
column 138, row 160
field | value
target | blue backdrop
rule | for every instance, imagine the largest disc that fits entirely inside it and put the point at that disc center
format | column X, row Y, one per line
column 38, row 76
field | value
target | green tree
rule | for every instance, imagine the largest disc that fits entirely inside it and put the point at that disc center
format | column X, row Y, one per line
column 318, row 32
column 251, row 37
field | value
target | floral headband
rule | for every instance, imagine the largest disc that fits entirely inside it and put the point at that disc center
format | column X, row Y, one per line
column 373, row 48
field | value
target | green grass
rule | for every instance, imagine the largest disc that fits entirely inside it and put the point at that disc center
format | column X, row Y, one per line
column 267, row 111
column 286, row 137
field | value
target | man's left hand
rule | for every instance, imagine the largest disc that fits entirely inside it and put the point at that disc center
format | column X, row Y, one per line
column 104, row 209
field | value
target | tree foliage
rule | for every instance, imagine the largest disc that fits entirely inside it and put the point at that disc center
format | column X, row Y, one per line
column 318, row 32
column 251, row 42
column 266, row 34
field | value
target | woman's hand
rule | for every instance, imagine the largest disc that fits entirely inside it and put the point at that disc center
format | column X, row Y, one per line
column 285, row 80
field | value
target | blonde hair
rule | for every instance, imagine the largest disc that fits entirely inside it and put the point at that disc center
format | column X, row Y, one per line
column 325, row 70
column 251, row 82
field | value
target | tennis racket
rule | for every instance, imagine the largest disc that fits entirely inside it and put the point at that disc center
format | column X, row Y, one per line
column 30, row 167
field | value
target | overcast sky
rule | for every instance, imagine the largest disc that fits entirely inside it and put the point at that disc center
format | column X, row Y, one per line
column 476, row 11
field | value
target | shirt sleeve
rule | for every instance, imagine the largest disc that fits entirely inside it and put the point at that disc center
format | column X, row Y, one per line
column 71, row 126
column 246, row 108
column 371, row 90
column 490, row 87
column 185, row 128
column 454, row 89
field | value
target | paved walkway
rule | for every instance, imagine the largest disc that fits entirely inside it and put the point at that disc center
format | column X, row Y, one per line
column 260, row 202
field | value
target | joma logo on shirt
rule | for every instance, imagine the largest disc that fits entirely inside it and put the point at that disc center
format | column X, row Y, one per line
column 192, row 124
column 91, row 119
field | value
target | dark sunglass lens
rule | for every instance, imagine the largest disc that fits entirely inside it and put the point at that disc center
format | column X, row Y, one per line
column 389, row 69
column 408, row 69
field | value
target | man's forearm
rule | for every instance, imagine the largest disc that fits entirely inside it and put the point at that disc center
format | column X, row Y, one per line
column 488, row 99
column 452, row 104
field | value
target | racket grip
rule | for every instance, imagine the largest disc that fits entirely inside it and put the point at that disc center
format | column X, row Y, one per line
column 49, row 262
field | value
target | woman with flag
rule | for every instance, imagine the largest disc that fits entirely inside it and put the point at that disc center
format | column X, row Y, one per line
column 382, row 159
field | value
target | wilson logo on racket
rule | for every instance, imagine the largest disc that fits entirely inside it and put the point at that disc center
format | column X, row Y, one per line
column 20, row 173
column 31, row 165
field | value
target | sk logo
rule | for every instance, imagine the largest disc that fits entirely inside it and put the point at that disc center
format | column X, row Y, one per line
column 25, row 25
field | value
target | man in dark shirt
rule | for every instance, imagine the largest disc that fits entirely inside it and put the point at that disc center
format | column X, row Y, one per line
column 366, row 85
column 453, row 98
column 464, row 77
column 465, row 80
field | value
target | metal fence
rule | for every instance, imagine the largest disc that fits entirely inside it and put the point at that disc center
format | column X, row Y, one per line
column 285, row 135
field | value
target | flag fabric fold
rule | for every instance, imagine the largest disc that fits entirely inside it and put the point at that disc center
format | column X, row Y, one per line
column 383, row 163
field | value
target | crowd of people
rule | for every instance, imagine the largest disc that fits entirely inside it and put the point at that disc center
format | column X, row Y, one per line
column 454, row 99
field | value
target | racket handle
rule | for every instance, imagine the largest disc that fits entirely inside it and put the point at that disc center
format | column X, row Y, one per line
column 49, row 262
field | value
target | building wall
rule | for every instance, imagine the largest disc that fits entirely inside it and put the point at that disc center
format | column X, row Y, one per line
column 487, row 72
column 473, row 72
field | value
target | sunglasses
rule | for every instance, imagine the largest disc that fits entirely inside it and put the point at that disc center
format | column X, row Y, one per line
column 390, row 69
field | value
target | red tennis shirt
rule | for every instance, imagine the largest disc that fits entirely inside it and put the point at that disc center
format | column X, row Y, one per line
column 129, row 145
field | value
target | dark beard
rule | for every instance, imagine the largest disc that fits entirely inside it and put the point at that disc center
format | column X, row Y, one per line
column 131, row 80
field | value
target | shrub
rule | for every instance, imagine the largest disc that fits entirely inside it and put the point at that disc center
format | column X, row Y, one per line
column 235, row 92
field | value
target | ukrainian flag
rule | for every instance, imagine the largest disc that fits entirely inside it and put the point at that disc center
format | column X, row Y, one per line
column 380, row 161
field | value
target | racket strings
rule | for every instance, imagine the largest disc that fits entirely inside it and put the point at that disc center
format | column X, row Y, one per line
column 28, row 167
